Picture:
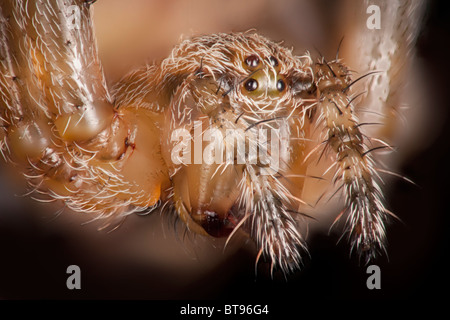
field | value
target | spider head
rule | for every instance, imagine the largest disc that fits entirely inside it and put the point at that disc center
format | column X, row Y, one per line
column 240, row 102
column 264, row 77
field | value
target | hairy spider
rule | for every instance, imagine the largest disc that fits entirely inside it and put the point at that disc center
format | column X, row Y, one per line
column 232, row 132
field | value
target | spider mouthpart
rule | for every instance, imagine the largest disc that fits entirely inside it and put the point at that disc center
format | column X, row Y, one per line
column 214, row 225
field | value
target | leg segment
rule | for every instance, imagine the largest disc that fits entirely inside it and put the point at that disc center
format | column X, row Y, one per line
column 57, row 119
column 355, row 171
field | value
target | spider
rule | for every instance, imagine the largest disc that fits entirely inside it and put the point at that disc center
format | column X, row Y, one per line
column 232, row 132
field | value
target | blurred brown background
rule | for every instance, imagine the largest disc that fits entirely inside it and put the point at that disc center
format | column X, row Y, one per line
column 146, row 259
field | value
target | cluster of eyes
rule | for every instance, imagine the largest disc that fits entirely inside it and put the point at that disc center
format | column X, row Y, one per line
column 253, row 62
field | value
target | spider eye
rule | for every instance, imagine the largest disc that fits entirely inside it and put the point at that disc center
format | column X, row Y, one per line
column 273, row 61
column 252, row 61
column 303, row 84
column 281, row 85
column 251, row 85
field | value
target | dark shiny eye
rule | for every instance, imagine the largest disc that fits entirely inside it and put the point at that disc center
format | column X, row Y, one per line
column 251, row 85
column 252, row 61
column 303, row 84
column 273, row 61
column 281, row 85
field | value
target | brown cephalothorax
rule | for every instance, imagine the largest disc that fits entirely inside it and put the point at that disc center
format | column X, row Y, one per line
column 224, row 132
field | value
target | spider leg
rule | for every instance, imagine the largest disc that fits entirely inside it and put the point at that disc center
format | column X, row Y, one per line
column 51, row 69
column 355, row 172
column 273, row 224
column 58, row 122
column 393, row 44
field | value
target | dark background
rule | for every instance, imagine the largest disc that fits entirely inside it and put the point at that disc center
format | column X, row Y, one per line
column 35, row 251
